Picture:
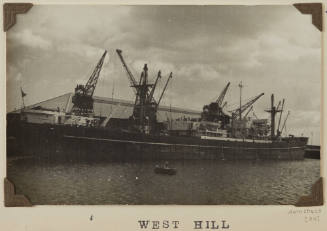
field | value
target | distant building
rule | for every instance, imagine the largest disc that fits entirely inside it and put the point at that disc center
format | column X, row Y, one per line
column 103, row 107
column 43, row 116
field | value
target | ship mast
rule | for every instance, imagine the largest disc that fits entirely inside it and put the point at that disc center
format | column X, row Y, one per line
column 145, row 107
column 142, row 107
column 240, row 86
column 273, row 110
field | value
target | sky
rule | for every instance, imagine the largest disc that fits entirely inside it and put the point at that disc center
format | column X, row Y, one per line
column 271, row 49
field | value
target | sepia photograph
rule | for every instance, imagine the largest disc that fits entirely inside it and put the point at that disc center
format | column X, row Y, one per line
column 163, row 104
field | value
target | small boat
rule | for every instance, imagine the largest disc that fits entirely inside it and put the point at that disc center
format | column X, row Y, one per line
column 165, row 170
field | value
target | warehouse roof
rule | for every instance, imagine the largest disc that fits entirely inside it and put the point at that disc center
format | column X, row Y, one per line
column 118, row 108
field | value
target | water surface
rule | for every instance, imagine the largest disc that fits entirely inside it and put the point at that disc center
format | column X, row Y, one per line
column 196, row 182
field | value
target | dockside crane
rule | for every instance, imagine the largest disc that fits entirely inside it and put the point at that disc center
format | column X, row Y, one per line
column 145, row 109
column 221, row 97
column 244, row 107
column 144, row 116
column 214, row 111
column 224, row 105
column 83, row 97
column 132, row 79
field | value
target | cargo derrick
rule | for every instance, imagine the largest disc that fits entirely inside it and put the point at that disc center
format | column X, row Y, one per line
column 273, row 111
column 163, row 91
column 238, row 125
column 246, row 114
column 82, row 99
column 144, row 113
column 279, row 132
column 257, row 128
column 144, row 117
column 214, row 111
column 244, row 107
column 146, row 107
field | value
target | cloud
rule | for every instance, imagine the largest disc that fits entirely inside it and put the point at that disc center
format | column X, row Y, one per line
column 28, row 38
column 18, row 77
column 271, row 49
column 80, row 50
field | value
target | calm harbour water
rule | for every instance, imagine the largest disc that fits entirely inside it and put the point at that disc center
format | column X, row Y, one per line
column 196, row 182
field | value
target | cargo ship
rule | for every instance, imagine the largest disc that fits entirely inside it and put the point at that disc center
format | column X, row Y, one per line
column 216, row 134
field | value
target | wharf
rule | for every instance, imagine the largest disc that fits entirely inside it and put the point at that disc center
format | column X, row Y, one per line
column 312, row 152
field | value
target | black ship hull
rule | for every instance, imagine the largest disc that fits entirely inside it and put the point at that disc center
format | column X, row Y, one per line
column 68, row 142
